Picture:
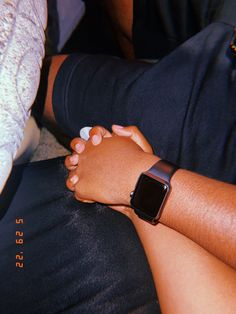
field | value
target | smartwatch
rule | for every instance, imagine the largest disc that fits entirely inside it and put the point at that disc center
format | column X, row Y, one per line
column 151, row 191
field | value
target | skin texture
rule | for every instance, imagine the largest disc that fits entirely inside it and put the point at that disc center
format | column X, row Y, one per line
column 200, row 208
column 121, row 16
column 54, row 64
column 119, row 145
column 191, row 252
column 188, row 278
column 186, row 275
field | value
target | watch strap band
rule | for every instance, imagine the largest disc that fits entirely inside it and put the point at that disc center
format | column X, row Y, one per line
column 163, row 169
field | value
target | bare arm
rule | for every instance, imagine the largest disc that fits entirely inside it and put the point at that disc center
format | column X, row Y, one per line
column 202, row 209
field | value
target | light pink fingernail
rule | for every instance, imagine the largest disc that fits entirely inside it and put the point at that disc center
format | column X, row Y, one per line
column 74, row 160
column 79, row 147
column 96, row 139
column 118, row 126
column 74, row 179
column 121, row 130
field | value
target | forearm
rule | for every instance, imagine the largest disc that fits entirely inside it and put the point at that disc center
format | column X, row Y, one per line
column 202, row 209
column 184, row 273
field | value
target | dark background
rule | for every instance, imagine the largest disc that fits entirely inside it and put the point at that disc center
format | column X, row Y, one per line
column 94, row 34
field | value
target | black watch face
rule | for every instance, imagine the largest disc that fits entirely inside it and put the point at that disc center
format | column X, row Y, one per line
column 149, row 196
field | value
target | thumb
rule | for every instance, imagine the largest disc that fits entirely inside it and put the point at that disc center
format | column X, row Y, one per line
column 135, row 134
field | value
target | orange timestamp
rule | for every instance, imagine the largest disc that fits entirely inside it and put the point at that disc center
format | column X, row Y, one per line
column 19, row 243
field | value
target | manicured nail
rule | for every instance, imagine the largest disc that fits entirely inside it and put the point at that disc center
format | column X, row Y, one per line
column 74, row 179
column 121, row 130
column 118, row 126
column 96, row 139
column 74, row 160
column 79, row 147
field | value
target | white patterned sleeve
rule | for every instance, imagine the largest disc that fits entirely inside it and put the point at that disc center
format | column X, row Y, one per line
column 22, row 25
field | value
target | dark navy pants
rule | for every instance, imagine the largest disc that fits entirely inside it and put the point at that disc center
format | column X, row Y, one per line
column 185, row 104
column 75, row 258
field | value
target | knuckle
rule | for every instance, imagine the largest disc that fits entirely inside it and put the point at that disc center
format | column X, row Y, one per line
column 134, row 128
column 74, row 142
column 68, row 184
column 79, row 190
column 96, row 129
column 67, row 161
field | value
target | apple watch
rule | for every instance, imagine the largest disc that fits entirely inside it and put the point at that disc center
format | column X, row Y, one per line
column 152, row 190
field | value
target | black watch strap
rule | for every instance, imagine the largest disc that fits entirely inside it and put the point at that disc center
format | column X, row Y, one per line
column 163, row 169
column 152, row 190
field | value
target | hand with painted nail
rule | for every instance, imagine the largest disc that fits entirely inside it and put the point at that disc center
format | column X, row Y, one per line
column 134, row 134
column 109, row 168
column 97, row 134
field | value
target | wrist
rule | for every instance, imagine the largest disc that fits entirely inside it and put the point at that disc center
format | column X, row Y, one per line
column 152, row 191
column 142, row 163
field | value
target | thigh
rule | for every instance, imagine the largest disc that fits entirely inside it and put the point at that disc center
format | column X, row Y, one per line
column 58, row 255
column 175, row 102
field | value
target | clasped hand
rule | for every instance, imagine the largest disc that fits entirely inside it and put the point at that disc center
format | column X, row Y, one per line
column 106, row 168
